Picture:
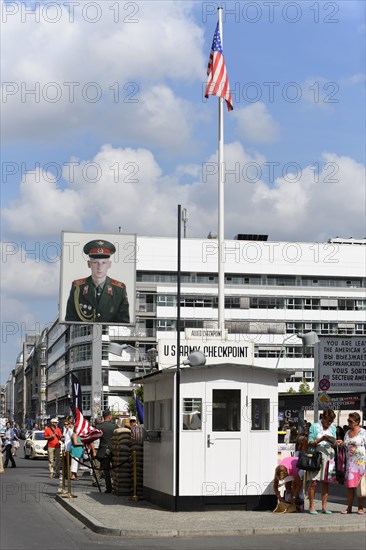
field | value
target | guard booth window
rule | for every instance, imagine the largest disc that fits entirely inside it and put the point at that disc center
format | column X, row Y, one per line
column 260, row 414
column 226, row 410
column 192, row 413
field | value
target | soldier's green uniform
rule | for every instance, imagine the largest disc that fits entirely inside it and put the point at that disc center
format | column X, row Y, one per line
column 106, row 303
column 84, row 305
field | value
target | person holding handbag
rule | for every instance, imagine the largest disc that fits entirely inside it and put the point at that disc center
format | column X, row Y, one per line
column 322, row 437
column 355, row 445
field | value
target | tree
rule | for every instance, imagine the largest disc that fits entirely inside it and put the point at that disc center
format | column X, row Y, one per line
column 291, row 390
column 304, row 387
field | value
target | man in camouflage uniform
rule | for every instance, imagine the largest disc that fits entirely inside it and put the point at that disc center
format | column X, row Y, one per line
column 98, row 298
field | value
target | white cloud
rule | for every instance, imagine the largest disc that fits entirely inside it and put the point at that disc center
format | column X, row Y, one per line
column 126, row 187
column 358, row 78
column 320, row 92
column 89, row 76
column 303, row 205
column 255, row 123
column 43, row 208
column 25, row 271
column 161, row 118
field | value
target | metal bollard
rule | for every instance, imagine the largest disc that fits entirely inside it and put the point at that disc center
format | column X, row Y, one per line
column 61, row 486
column 134, row 465
column 66, row 467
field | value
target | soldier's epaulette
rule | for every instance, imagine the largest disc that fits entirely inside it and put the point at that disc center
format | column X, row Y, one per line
column 79, row 282
column 117, row 283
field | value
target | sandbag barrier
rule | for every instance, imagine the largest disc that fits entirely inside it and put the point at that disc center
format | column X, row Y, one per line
column 126, row 481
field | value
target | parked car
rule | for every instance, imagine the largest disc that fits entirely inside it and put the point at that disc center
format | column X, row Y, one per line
column 34, row 445
column 23, row 433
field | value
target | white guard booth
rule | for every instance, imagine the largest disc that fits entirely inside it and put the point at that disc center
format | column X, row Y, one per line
column 226, row 449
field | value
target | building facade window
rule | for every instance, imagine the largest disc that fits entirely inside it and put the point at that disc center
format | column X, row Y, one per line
column 81, row 353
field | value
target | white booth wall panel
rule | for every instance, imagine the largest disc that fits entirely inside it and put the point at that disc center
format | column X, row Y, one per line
column 159, row 455
column 159, row 464
column 260, row 471
column 165, row 389
column 192, row 442
column 261, row 463
column 192, row 462
column 149, row 392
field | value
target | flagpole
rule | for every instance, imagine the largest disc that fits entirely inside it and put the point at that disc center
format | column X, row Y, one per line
column 221, row 202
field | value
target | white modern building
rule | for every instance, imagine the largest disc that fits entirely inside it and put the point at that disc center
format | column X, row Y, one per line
column 273, row 291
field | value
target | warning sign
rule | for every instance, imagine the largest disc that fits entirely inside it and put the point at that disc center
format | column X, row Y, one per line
column 342, row 362
column 323, row 399
column 324, row 384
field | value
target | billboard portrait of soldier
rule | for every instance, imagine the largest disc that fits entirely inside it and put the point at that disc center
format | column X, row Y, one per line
column 96, row 296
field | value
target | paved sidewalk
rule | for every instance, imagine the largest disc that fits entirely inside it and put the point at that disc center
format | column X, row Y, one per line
column 118, row 516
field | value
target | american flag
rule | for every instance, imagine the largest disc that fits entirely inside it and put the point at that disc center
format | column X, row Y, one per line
column 218, row 81
column 86, row 432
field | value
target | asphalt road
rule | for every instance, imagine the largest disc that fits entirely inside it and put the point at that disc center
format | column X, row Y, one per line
column 30, row 518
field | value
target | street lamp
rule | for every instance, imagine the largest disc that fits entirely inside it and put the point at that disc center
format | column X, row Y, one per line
column 312, row 339
column 151, row 357
column 117, row 349
column 281, row 348
column 195, row 359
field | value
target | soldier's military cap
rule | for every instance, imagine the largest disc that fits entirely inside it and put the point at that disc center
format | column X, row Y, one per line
column 99, row 249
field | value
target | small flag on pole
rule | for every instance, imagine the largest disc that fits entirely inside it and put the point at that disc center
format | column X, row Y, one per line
column 218, row 81
column 139, row 409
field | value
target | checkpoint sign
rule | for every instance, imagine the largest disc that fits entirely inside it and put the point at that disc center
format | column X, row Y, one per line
column 324, row 384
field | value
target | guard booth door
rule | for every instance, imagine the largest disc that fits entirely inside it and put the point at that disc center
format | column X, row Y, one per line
column 225, row 439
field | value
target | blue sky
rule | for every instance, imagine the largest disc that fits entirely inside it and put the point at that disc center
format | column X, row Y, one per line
column 118, row 126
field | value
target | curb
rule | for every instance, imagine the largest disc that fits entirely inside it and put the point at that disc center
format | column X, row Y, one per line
column 86, row 519
column 97, row 527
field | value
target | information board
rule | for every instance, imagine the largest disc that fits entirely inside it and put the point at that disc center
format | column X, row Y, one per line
column 342, row 361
